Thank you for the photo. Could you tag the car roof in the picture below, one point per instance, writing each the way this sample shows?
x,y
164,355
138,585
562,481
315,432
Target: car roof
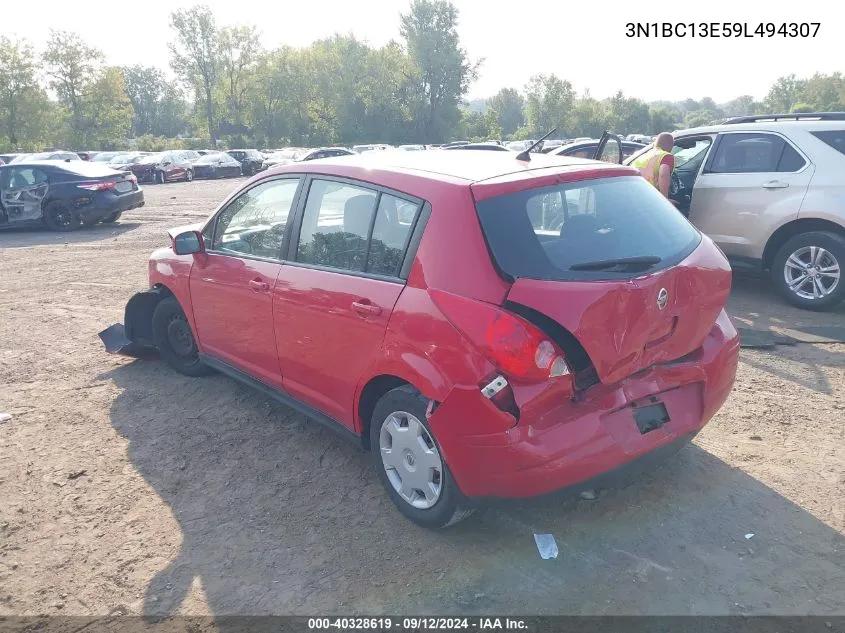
x,y
480,165
79,167
763,126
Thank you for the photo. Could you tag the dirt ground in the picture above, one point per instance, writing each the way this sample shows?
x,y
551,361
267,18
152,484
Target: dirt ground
x,y
127,489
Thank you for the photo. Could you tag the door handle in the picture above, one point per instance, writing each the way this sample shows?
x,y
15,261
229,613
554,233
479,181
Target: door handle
x,y
258,285
366,309
775,184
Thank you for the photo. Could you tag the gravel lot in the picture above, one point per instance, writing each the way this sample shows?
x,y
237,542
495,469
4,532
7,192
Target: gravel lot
x,y
127,488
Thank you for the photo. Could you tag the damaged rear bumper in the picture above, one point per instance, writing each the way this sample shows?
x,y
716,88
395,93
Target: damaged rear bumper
x,y
134,337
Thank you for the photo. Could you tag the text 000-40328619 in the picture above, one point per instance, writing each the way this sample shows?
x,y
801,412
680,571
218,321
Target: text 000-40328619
x,y
722,29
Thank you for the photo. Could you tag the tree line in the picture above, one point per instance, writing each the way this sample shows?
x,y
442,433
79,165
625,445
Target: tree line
x,y
228,90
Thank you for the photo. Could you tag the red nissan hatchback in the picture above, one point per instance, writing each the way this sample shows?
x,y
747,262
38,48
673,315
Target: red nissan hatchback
x,y
486,326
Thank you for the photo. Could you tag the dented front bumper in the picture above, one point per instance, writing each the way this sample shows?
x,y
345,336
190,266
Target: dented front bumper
x,y
134,337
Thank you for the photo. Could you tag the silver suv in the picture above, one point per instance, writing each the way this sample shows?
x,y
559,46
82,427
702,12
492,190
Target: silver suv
x,y
770,191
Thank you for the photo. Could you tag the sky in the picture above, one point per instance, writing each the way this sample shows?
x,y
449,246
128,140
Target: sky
x,y
584,42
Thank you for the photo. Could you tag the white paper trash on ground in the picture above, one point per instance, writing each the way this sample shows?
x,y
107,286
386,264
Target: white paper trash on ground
x,y
5,417
546,545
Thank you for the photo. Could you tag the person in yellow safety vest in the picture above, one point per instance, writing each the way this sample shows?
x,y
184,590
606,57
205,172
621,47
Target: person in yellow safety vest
x,y
656,164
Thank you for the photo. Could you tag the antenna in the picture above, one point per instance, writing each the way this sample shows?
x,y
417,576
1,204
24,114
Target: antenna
x,y
526,154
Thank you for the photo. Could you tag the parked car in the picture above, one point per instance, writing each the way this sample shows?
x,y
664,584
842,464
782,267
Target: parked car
x,y
768,190
283,157
65,195
105,157
87,155
412,148
58,155
586,149
518,146
325,152
122,160
249,159
8,158
165,167
479,146
217,165
419,304
453,144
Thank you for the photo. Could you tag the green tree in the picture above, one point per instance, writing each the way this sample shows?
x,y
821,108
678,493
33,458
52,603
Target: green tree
x,y
785,93
195,57
23,104
741,106
109,112
240,51
444,71
825,93
73,68
588,118
144,86
509,108
548,102
664,120
626,115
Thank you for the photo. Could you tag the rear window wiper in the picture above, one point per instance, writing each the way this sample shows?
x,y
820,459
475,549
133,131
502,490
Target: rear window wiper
x,y
628,263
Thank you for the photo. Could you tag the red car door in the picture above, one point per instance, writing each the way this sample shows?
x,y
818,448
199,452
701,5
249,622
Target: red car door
x,y
332,304
231,284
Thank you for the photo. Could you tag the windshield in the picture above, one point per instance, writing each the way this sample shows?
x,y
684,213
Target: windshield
x,y
214,158
104,157
554,232
122,159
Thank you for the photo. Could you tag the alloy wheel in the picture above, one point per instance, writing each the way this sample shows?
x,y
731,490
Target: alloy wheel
x,y
411,460
811,272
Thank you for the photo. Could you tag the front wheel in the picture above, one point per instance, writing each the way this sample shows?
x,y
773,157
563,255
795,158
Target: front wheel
x,y
58,216
409,463
114,217
175,342
189,176
807,270
159,177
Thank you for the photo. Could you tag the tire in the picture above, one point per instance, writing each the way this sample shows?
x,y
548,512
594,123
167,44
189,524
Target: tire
x,y
57,216
114,217
822,288
159,178
175,342
403,409
189,175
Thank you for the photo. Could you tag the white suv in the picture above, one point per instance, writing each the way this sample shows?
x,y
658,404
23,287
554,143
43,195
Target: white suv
x,y
770,191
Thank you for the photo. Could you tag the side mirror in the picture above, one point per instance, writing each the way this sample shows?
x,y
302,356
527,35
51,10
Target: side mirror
x,y
188,243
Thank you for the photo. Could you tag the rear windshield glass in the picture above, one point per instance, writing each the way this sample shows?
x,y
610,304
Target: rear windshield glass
x,y
569,231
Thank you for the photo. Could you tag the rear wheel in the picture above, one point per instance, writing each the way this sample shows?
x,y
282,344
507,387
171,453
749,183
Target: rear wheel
x,y
58,216
114,217
409,463
175,342
189,175
159,177
807,270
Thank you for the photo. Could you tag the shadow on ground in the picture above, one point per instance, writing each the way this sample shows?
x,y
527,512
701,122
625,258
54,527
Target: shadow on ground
x,y
281,517
36,236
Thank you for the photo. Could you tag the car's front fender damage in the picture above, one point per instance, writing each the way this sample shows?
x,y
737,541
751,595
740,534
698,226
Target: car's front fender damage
x,y
134,337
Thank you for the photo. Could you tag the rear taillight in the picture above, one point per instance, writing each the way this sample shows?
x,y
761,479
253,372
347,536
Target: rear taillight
x,y
102,185
132,178
517,348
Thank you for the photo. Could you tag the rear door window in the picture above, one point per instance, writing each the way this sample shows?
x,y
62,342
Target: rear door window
x,y
354,228
574,230
754,152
